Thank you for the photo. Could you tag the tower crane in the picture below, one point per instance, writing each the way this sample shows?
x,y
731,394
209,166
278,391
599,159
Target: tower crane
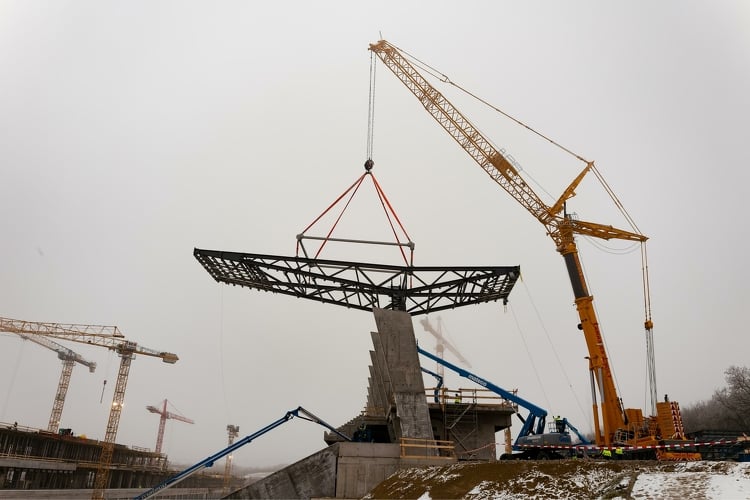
x,y
441,343
617,425
69,358
165,415
111,338
232,432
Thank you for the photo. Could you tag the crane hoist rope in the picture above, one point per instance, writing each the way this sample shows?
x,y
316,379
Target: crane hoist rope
x,y
371,108
388,209
549,341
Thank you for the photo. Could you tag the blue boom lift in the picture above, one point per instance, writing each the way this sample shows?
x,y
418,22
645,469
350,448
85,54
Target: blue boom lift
x,y
209,462
532,441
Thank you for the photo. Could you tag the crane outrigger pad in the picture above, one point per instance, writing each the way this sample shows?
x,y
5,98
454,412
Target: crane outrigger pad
x,y
416,290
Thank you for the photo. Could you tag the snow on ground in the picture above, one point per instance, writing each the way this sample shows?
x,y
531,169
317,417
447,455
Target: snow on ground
x,y
699,480
573,480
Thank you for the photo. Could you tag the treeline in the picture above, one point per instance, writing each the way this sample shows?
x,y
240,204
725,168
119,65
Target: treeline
x,y
727,410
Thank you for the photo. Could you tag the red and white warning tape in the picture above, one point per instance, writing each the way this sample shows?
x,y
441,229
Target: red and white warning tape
x,y
631,448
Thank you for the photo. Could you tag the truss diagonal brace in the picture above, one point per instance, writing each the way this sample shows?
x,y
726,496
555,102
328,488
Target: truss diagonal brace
x,y
416,290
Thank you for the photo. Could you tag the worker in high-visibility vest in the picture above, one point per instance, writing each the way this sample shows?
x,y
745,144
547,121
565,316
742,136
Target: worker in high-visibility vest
x,y
607,453
619,452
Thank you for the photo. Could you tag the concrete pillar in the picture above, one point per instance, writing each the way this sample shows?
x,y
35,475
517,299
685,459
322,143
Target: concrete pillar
x,y
399,348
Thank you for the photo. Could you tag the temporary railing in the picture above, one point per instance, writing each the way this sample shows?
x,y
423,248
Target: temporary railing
x,y
427,448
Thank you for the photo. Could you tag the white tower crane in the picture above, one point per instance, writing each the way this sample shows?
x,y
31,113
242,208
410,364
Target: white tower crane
x,y
441,343
69,359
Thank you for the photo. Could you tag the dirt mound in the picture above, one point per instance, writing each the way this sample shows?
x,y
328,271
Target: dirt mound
x,y
541,479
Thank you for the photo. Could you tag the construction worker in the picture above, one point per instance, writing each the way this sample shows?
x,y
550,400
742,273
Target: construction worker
x,y
619,452
607,453
363,434
457,400
559,424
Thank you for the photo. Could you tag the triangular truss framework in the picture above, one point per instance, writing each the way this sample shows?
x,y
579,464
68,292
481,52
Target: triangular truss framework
x,y
416,290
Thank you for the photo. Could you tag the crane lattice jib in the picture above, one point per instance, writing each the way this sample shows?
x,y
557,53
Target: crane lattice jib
x,y
43,328
492,161
63,352
461,129
104,336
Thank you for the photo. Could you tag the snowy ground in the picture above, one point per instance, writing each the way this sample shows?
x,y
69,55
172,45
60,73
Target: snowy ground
x,y
709,480
572,479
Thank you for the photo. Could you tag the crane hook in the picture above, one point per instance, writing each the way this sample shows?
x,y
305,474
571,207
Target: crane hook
x,y
369,164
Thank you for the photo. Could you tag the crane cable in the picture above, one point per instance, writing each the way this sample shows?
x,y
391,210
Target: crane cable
x,y
528,354
554,351
610,192
371,107
351,191
644,261
445,79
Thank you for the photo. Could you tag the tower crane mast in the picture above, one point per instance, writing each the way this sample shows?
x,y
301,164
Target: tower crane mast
x,y
111,338
559,225
441,343
69,358
232,432
165,415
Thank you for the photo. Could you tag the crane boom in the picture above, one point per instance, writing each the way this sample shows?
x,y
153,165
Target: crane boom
x,y
62,352
104,336
560,227
111,338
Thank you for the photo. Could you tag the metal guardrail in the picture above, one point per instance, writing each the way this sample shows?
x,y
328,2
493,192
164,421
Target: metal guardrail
x,y
484,397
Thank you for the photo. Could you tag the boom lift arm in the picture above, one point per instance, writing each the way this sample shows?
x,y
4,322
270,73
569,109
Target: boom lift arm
x,y
561,227
209,461
536,415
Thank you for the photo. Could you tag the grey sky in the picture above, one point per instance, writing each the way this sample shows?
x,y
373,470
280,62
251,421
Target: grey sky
x,y
133,132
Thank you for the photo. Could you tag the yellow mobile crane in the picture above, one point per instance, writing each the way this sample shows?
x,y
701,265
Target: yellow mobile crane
x,y
69,359
617,426
103,336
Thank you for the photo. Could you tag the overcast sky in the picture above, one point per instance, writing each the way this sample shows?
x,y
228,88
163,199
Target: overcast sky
x,y
133,132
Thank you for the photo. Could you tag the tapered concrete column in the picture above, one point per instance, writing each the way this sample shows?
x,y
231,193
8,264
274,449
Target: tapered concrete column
x,y
399,347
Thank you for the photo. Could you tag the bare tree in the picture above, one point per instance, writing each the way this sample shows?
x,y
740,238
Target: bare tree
x,y
728,408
